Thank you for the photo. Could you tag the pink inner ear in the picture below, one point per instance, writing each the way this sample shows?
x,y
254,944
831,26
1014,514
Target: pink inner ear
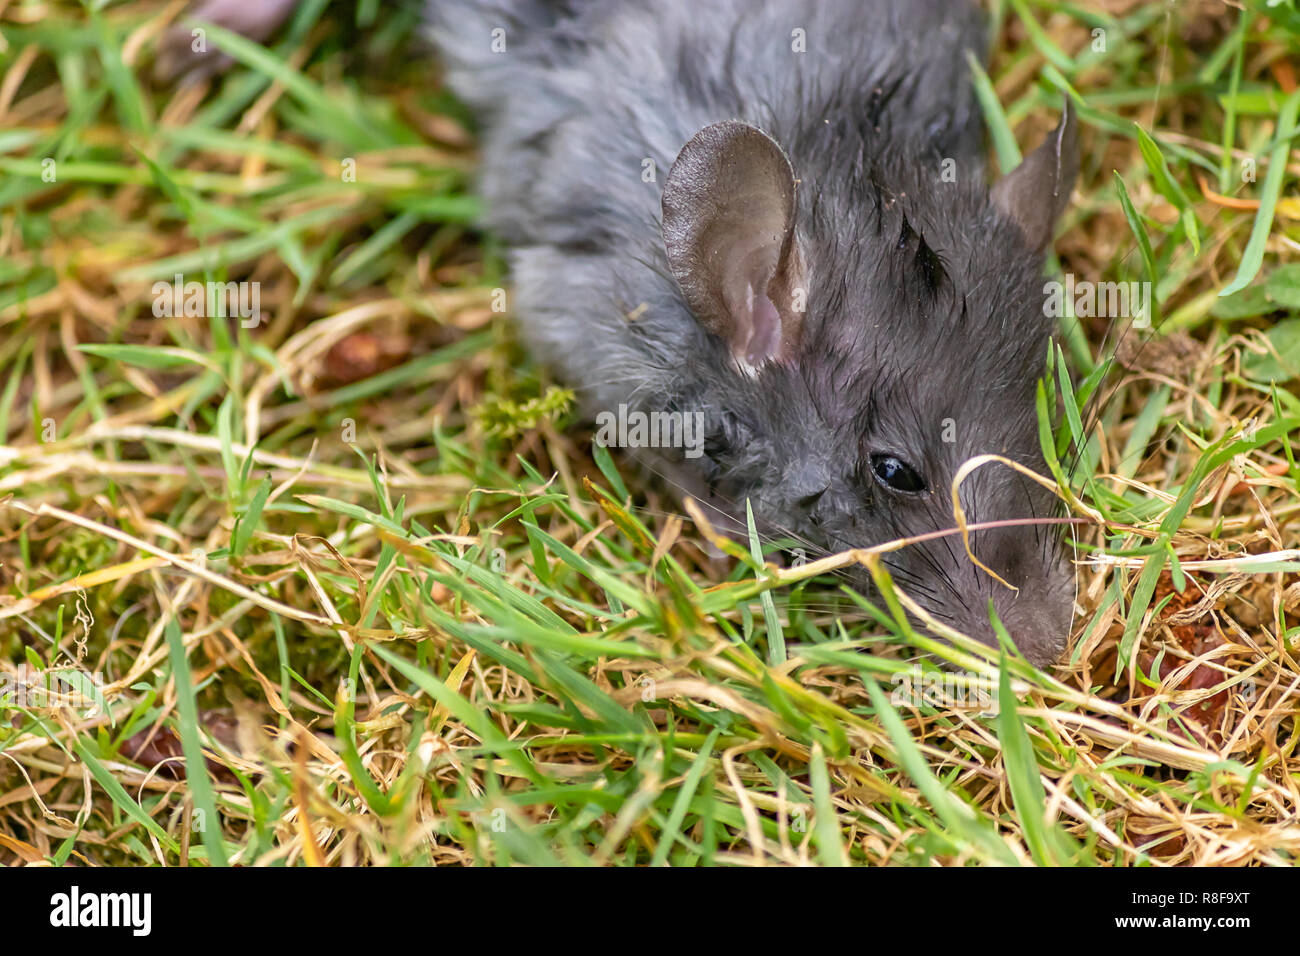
x,y
765,328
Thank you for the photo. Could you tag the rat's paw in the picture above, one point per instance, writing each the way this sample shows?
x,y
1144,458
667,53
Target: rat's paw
x,y
185,50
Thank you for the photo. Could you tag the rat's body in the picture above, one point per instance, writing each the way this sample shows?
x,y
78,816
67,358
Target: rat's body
x,y
853,324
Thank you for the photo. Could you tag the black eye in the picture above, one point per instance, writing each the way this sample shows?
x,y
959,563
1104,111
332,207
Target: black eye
x,y
895,473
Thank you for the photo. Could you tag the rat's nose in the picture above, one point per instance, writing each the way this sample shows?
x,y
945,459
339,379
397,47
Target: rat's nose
x,y
1037,617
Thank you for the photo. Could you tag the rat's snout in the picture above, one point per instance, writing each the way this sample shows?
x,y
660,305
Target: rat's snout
x,y
1038,608
1037,614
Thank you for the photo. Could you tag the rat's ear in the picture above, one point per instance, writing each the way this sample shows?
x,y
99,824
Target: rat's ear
x,y
728,226
1036,192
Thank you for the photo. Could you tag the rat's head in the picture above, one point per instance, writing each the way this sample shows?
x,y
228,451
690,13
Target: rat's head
x,y
868,338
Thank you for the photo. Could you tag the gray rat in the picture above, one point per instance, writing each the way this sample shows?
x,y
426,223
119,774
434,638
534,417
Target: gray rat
x,y
852,326
774,213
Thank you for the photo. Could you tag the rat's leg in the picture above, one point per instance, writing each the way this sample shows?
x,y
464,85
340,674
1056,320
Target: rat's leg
x,y
182,52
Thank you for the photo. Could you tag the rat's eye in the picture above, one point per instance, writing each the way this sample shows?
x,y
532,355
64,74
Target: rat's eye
x,y
896,474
